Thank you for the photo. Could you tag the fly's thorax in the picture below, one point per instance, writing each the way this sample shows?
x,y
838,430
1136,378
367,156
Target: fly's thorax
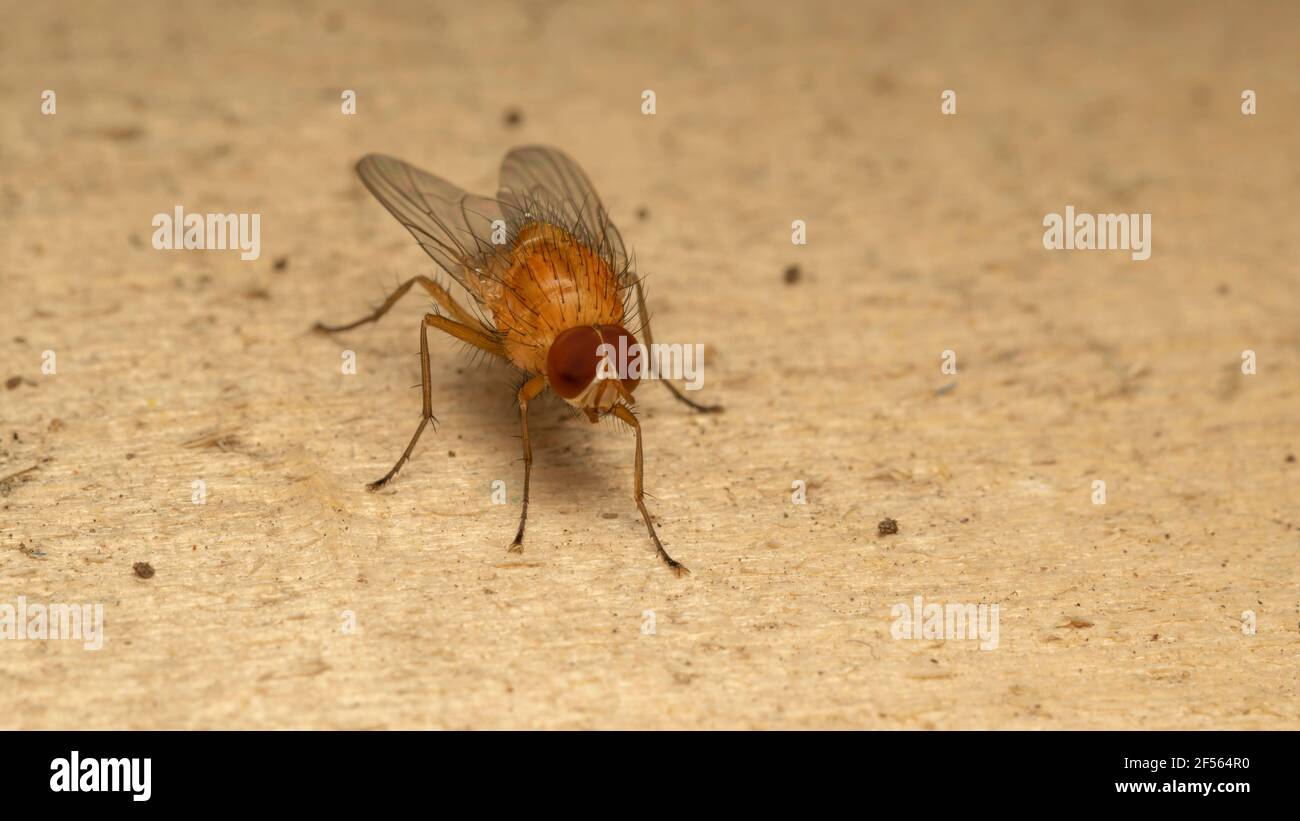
x,y
554,283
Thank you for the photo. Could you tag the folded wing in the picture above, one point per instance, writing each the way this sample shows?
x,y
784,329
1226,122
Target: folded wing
x,y
452,226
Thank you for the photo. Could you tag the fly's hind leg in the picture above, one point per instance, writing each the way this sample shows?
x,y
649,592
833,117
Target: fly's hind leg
x,y
530,390
679,569
439,294
477,338
649,341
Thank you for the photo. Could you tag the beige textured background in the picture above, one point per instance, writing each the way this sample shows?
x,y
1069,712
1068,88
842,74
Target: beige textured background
x,y
924,235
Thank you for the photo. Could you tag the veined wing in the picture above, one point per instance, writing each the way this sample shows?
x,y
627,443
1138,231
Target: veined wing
x,y
451,225
545,178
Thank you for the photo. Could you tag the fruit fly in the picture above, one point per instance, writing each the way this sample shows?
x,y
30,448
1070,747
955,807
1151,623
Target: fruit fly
x,y
551,282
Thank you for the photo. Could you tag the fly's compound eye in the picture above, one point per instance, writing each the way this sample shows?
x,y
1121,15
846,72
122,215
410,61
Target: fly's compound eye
x,y
625,347
571,362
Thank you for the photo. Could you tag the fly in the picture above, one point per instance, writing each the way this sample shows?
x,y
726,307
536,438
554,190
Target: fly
x,y
551,282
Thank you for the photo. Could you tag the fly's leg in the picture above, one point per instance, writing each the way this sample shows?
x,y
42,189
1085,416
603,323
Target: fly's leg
x,y
530,390
649,339
679,569
462,332
426,415
439,294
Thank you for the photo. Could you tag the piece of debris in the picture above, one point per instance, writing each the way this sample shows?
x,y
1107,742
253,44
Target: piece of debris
x,y
280,264
609,515
56,425
643,213
5,480
1290,457
792,274
143,569
943,389
1077,624
13,382
887,527
223,441
513,117
122,133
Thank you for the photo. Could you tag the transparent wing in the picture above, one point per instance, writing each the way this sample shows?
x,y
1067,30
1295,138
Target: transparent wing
x,y
539,176
453,226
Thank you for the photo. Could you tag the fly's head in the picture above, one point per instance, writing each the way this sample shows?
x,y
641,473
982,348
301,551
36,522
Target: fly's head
x,y
588,367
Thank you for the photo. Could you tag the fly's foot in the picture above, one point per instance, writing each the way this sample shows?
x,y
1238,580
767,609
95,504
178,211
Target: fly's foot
x,y
679,570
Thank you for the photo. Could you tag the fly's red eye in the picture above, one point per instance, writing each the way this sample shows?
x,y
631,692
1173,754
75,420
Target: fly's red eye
x,y
571,362
610,335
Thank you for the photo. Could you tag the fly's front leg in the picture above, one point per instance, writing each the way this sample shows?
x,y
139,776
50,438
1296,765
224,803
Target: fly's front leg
x,y
679,569
530,390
